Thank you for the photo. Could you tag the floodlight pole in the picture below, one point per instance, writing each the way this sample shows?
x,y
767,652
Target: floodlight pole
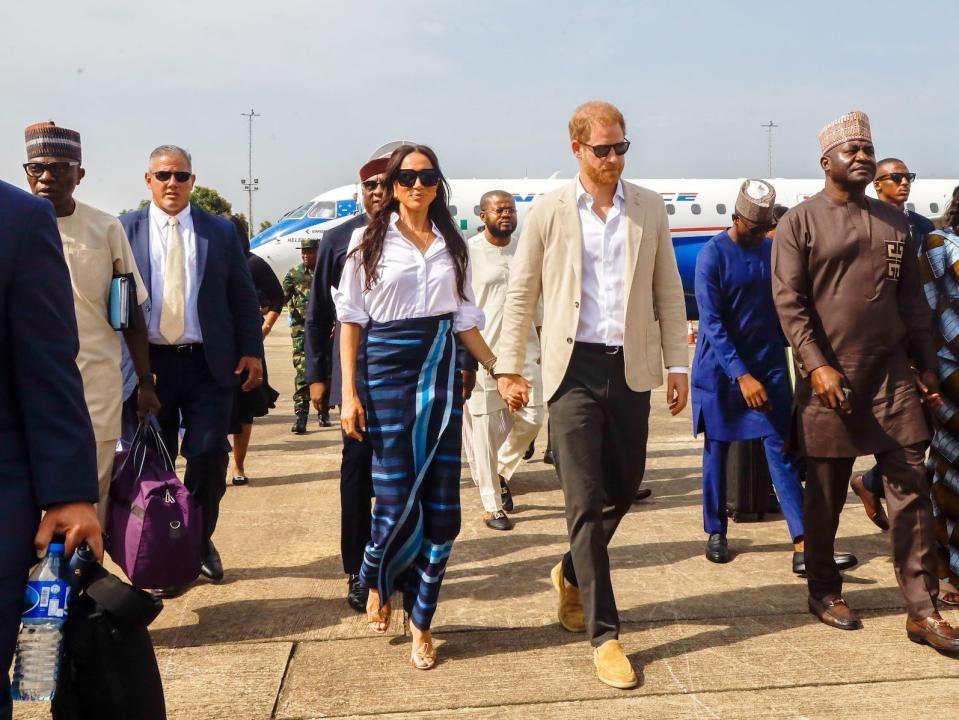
x,y
769,133
250,183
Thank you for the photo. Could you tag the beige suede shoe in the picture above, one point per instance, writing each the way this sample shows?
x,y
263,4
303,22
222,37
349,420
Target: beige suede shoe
x,y
570,611
613,667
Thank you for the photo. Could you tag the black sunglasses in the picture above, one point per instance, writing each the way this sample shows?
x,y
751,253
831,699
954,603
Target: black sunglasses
x,y
898,177
371,185
429,177
181,176
602,151
59,169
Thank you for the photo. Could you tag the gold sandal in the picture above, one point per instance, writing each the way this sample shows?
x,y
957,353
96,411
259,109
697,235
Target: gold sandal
x,y
379,620
424,657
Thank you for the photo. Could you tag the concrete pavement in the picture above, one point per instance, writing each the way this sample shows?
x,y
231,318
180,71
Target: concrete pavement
x,y
277,640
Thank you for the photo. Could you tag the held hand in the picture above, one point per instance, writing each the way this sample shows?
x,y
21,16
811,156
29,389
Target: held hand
x,y
77,521
469,382
514,389
254,370
753,391
353,417
677,392
317,395
147,401
928,384
827,384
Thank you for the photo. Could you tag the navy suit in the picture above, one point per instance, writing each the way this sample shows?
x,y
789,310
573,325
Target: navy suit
x,y
196,383
47,447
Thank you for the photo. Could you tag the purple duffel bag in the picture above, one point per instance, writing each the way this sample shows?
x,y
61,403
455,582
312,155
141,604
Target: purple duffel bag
x,y
154,526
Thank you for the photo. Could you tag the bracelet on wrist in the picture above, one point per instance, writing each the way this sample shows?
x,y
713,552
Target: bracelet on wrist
x,y
490,365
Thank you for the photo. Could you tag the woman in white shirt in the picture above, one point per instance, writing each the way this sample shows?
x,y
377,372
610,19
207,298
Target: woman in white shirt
x,y
407,281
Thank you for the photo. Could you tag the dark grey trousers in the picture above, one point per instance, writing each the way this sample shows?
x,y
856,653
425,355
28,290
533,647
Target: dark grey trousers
x,y
598,430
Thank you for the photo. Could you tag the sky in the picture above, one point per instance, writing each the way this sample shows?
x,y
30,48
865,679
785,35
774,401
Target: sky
x,y
490,85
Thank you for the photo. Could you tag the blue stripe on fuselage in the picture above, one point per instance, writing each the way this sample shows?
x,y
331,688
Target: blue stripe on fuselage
x,y
285,227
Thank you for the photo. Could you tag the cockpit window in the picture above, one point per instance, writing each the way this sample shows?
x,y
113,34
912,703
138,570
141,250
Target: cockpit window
x,y
324,209
299,212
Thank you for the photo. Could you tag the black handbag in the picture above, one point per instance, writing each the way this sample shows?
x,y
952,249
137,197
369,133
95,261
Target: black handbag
x,y
109,670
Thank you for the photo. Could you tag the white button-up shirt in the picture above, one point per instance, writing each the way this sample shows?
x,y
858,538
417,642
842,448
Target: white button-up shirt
x,y
158,234
411,284
602,312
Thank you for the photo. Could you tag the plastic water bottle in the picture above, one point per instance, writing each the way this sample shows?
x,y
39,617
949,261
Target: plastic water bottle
x,y
41,635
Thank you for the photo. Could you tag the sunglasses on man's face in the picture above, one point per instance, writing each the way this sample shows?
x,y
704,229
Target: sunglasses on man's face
x,y
602,151
371,185
898,177
181,176
429,177
58,169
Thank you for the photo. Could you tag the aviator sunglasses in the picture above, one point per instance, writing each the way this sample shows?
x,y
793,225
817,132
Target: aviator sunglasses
x,y
181,176
602,151
898,177
429,177
371,185
58,169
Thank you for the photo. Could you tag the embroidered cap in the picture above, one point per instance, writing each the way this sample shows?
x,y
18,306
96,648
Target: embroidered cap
x,y
755,202
851,126
47,140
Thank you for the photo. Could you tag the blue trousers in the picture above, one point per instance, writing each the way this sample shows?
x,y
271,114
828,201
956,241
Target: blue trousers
x,y
782,471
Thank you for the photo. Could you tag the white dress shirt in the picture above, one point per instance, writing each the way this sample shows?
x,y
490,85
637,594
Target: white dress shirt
x,y
158,236
411,284
602,313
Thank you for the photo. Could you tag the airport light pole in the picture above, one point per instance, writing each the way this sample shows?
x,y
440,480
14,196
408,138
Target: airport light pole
x,y
250,183
769,142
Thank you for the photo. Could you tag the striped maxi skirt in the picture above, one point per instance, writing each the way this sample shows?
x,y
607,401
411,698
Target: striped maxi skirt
x,y
414,407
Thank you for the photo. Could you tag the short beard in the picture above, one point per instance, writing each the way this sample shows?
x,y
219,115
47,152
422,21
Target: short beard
x,y
500,234
602,177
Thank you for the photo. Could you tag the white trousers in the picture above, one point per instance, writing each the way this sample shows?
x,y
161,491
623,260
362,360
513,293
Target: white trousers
x,y
106,452
495,447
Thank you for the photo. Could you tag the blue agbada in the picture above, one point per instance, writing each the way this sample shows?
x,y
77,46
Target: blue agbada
x,y
739,333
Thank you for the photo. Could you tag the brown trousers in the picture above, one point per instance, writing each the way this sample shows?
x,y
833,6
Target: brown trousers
x,y
910,523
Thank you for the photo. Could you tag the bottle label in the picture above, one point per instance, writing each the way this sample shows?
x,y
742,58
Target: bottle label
x,y
45,600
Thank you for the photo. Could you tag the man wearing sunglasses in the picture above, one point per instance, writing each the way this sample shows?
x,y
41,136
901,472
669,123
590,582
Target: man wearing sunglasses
x,y
323,375
96,249
203,320
599,253
893,184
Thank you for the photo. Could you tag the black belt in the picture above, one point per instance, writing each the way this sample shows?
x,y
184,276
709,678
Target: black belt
x,y
180,349
599,347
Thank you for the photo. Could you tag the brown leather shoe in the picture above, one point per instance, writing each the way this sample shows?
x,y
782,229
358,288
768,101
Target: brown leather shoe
x,y
570,611
613,667
870,503
935,632
834,611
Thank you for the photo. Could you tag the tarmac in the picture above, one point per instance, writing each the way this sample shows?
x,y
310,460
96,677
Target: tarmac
x,y
276,639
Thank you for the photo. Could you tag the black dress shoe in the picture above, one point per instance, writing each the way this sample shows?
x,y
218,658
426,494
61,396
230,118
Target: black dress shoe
x,y
717,550
642,494
356,595
530,450
498,521
548,457
171,592
505,496
325,420
843,561
299,427
241,480
212,566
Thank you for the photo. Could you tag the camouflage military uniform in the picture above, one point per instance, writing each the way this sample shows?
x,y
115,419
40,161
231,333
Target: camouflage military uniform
x,y
296,287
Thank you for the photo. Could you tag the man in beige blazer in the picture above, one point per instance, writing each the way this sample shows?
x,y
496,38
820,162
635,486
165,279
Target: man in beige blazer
x,y
599,252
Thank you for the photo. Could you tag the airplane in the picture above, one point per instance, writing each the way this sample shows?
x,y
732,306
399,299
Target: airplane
x,y
697,210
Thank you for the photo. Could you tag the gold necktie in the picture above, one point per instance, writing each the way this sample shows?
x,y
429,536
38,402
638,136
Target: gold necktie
x,y
173,312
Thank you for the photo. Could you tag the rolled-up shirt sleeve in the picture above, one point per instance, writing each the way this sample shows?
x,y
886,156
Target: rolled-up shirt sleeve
x,y
349,298
468,315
